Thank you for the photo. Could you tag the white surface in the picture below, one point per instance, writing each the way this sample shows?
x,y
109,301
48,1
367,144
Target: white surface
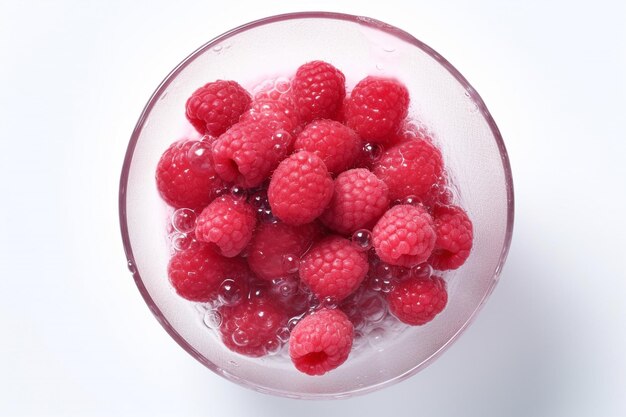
x,y
78,339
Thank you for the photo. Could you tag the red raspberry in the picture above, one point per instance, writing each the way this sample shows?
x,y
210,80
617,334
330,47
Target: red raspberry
x,y
250,327
248,152
318,90
185,175
321,342
215,107
417,301
274,114
228,223
376,108
410,168
360,198
196,273
404,235
300,189
276,248
336,144
334,267
454,238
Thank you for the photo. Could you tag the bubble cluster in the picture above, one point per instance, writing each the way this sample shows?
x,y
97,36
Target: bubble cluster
x,y
272,89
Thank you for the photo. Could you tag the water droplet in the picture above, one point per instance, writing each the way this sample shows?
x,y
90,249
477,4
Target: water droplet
x,y
217,48
380,67
131,267
411,200
363,239
238,193
184,220
233,363
389,49
199,155
180,241
231,292
259,200
212,319
240,338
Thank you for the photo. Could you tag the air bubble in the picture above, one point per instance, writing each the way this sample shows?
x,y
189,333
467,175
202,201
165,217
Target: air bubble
x,y
293,321
411,200
328,302
363,239
387,285
422,270
199,157
373,308
258,200
272,346
286,287
373,151
282,85
238,193
290,263
184,220
231,292
376,284
213,319
283,334
240,338
376,338
180,241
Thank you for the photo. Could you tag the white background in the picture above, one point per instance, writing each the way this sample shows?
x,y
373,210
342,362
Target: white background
x,y
78,339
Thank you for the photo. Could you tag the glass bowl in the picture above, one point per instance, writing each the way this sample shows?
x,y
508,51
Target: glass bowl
x,y
441,97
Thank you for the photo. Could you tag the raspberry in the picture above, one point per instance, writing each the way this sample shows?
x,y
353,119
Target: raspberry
x,y
186,176
215,107
404,235
321,341
337,145
318,90
276,248
196,273
334,267
248,152
410,168
250,328
274,114
300,188
454,238
376,108
360,198
228,223
417,301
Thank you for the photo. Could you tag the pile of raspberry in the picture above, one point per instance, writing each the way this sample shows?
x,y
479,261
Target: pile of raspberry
x,y
303,210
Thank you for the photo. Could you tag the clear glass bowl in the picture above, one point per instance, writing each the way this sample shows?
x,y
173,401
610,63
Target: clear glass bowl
x,y
469,138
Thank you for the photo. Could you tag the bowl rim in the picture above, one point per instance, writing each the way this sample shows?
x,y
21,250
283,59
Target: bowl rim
x,y
368,22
